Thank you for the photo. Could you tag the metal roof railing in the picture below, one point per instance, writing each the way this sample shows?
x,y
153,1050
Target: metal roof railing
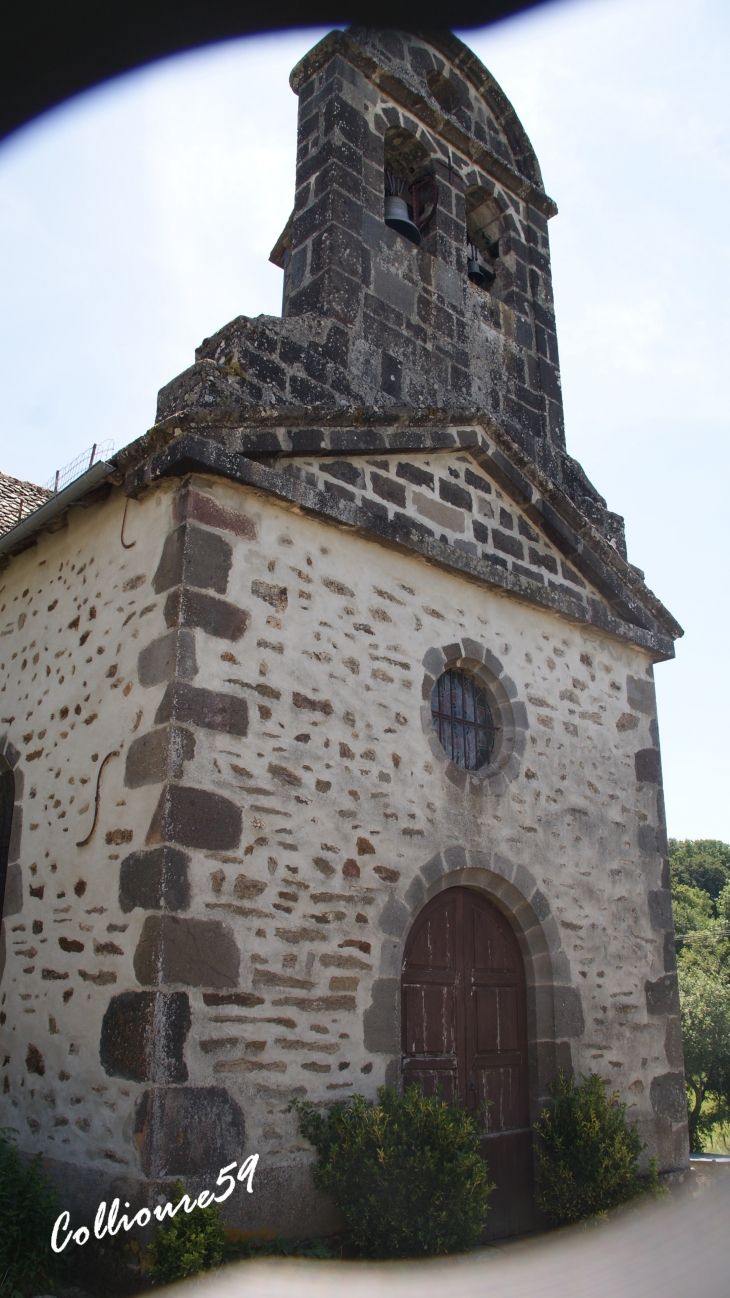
x,y
83,462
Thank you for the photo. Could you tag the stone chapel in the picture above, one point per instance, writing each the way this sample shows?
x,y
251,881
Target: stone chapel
x,y
329,740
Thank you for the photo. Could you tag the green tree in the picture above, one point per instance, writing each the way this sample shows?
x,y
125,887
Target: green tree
x,y
587,1155
704,995
700,863
406,1172
693,909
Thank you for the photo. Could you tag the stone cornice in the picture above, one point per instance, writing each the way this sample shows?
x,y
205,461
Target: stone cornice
x,y
266,433
190,453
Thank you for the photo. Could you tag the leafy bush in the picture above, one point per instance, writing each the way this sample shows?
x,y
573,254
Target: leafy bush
x,y
28,1210
405,1173
193,1242
587,1154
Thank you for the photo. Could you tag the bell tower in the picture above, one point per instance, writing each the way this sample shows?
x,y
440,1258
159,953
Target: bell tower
x,y
416,259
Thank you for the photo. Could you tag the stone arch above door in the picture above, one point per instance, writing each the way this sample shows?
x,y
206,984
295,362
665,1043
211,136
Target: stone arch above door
x,y
554,1008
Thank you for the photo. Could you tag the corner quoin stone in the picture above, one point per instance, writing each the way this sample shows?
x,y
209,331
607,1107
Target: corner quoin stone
x,y
194,952
194,557
187,1130
143,1036
662,996
155,880
668,1097
158,756
199,707
193,608
195,818
168,656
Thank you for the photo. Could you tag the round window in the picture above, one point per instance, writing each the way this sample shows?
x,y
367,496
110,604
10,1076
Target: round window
x,y
462,719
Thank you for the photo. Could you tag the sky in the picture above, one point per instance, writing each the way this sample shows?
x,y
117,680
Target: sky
x,y
138,218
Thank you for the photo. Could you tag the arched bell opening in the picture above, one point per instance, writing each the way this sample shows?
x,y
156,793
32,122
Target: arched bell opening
x,y
7,802
468,1026
411,192
484,219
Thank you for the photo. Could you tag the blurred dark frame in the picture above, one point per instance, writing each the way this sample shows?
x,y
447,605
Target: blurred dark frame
x,y
53,49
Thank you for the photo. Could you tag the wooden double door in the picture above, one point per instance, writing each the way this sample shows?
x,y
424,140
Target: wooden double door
x,y
464,1029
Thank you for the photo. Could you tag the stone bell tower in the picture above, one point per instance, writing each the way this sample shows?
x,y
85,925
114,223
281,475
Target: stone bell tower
x,y
466,319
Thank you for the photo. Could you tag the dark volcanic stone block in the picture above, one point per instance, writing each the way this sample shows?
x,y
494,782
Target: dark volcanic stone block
x,y
660,908
195,952
640,695
673,1046
185,607
188,1130
195,557
158,756
668,1097
646,838
540,560
143,1036
662,996
16,833
419,477
155,880
648,766
474,480
195,818
206,708
388,490
170,655
508,544
524,529
380,1020
12,903
569,1021
455,495
204,509
345,471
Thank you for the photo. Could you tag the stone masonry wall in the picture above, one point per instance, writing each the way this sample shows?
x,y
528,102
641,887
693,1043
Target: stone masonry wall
x,y
273,810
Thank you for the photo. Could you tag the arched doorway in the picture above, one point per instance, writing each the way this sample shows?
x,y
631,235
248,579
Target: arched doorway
x,y
7,801
464,1028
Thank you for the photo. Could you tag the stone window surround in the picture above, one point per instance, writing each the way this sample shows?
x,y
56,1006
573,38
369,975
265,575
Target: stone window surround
x,y
508,714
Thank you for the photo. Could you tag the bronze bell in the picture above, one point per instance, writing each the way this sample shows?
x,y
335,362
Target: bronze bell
x,y
479,274
396,216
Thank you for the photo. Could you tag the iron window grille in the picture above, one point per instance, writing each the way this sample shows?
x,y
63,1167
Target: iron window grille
x,y
463,721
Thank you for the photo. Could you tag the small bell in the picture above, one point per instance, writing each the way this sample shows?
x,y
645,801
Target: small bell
x,y
396,216
479,274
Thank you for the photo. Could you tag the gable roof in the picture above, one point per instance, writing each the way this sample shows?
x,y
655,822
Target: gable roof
x,y
271,450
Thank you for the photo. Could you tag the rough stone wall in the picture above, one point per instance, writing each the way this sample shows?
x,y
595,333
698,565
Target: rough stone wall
x,y
278,811
371,320
448,499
